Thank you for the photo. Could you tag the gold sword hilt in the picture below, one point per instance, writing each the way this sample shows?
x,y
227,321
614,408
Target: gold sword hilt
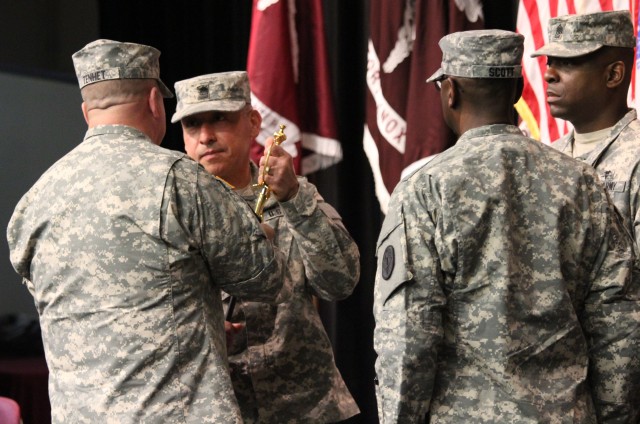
x,y
265,192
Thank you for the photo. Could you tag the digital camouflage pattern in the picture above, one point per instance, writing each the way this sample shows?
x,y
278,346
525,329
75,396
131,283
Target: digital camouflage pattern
x,y
577,35
103,60
125,247
504,291
287,373
487,53
617,161
223,91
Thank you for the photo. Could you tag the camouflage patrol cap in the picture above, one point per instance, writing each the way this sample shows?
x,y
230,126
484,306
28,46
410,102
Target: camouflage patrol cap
x,y
489,53
577,35
223,91
103,60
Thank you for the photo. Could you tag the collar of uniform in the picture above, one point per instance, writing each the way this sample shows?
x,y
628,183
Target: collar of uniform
x,y
487,130
249,193
631,115
114,129
254,172
596,153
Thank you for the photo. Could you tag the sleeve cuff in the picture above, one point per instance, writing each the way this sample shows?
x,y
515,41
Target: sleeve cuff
x,y
303,204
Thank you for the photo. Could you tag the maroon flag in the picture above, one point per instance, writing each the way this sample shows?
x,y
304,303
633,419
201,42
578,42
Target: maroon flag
x,y
290,84
404,124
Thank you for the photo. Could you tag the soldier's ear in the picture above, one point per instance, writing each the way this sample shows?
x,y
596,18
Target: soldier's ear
x,y
615,73
453,93
156,103
85,112
256,122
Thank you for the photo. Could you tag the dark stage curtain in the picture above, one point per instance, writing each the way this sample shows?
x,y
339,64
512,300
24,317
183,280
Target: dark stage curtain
x,y
204,36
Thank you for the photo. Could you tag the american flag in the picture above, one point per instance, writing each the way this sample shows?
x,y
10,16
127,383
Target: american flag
x,y
290,83
533,16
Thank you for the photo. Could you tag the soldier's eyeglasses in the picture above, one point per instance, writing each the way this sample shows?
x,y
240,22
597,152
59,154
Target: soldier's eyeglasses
x,y
439,81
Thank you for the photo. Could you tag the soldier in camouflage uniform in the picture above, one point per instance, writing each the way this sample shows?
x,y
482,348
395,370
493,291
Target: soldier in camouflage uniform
x,y
281,360
504,291
125,247
589,64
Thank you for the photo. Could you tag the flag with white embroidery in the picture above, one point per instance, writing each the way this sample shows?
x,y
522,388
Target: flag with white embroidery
x,y
533,18
404,123
290,83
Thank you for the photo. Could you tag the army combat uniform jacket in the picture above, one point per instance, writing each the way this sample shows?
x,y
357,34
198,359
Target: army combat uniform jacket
x,y
504,292
617,160
282,367
125,246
